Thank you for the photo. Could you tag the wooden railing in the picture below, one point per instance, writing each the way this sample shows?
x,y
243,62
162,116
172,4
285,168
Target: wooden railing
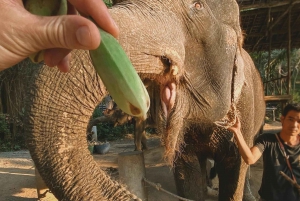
x,y
277,89
276,86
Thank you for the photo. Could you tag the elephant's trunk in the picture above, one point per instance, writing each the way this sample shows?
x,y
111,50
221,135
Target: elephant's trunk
x,y
60,106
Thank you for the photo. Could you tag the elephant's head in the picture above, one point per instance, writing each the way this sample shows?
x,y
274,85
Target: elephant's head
x,y
192,50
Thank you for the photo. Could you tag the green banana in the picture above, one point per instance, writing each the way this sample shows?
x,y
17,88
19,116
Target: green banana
x,y
119,76
109,60
45,8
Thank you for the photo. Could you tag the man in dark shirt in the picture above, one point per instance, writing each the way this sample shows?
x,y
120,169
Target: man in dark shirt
x,y
274,187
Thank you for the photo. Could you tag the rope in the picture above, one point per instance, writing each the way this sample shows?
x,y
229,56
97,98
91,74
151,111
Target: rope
x,y
159,188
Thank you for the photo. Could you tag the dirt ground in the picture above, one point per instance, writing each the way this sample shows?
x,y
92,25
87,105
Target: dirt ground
x,y
17,178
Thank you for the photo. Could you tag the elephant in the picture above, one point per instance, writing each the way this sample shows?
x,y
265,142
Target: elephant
x,y
191,51
117,117
113,114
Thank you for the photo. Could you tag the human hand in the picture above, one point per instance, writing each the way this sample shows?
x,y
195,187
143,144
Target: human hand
x,y
236,127
23,33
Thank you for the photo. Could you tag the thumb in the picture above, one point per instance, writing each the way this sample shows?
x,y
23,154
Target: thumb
x,y
68,32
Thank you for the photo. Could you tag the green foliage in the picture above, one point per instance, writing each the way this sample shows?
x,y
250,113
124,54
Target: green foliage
x,y
9,146
278,68
107,131
6,143
14,83
97,113
151,130
4,129
108,3
278,62
296,97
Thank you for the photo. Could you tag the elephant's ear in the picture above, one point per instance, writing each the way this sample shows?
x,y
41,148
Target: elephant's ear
x,y
238,77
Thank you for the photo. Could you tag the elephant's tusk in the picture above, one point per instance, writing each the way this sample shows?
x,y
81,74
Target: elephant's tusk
x,y
174,70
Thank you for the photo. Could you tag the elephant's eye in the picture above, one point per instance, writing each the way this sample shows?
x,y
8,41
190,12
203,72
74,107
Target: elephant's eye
x,y
198,5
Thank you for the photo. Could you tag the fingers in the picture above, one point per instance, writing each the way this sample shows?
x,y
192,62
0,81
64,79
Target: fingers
x,y
69,32
59,35
71,9
58,57
23,33
52,57
237,120
99,12
62,30
63,65
236,126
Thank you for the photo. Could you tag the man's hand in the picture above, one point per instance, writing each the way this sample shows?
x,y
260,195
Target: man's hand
x,y
250,155
236,128
23,33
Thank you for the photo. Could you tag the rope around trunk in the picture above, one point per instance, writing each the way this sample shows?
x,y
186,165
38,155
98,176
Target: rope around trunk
x,y
159,188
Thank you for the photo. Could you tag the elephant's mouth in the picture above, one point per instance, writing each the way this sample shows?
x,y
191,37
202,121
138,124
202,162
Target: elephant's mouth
x,y
167,73
168,79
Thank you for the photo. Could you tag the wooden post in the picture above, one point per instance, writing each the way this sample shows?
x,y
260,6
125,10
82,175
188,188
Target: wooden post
x,y
269,54
131,172
43,191
289,54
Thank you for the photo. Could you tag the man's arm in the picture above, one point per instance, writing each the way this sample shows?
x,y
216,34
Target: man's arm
x,y
250,155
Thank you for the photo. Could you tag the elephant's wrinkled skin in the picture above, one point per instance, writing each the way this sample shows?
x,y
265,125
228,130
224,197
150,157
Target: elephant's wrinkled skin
x,y
192,51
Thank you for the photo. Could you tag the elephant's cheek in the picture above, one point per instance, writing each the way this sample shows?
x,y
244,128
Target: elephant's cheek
x,y
168,96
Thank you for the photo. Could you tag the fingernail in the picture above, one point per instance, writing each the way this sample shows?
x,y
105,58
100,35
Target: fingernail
x,y
83,36
117,28
63,65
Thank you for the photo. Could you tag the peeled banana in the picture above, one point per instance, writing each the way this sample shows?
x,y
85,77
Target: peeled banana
x,y
109,60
